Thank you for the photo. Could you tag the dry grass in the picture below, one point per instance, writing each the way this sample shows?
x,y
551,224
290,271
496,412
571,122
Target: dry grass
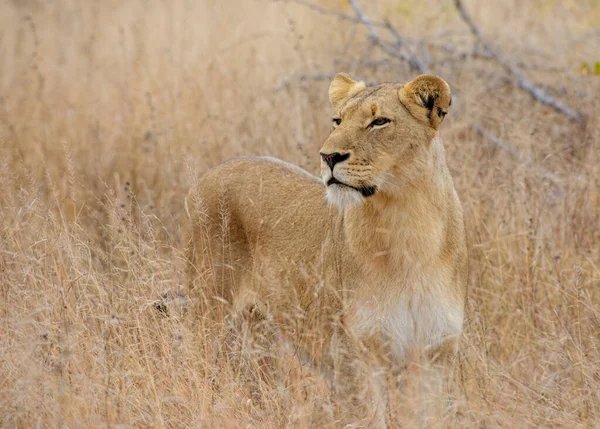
x,y
109,111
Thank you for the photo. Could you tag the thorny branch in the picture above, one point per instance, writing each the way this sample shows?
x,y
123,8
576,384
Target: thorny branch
x,y
535,91
414,61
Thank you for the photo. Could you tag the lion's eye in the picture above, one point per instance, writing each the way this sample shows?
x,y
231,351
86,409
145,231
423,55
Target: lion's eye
x,y
379,122
336,121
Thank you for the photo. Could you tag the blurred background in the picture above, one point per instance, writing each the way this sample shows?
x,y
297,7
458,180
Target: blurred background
x,y
110,110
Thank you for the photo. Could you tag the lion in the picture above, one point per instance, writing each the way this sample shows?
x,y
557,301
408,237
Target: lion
x,y
370,256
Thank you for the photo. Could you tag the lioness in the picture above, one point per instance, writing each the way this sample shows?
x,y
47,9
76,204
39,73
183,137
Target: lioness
x,y
372,255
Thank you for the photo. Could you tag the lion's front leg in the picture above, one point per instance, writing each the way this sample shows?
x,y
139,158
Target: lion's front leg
x,y
358,383
423,393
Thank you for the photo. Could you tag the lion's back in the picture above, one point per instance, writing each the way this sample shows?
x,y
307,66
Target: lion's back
x,y
267,206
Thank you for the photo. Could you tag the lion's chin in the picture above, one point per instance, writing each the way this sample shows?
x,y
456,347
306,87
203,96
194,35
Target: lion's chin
x,y
343,197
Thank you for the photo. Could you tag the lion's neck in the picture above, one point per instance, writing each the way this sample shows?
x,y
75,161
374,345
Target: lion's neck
x,y
398,229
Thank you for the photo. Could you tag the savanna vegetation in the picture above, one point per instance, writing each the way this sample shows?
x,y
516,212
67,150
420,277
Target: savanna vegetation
x,y
110,111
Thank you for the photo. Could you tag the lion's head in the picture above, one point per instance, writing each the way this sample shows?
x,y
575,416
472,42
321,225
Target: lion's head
x,y
381,135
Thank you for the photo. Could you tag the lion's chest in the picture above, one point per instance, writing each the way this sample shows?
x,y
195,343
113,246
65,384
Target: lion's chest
x,y
412,319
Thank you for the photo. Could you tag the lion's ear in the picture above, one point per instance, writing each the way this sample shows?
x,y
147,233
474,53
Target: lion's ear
x,y
427,98
343,88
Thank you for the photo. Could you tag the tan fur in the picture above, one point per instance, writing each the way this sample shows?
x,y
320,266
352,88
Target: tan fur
x,y
342,88
340,269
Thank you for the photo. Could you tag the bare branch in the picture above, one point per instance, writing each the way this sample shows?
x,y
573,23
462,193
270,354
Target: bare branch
x,y
535,91
412,60
493,139
399,39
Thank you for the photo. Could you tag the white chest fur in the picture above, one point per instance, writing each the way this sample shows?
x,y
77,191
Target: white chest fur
x,y
412,320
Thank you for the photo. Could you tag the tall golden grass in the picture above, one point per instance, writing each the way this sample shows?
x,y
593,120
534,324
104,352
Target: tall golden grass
x,y
110,110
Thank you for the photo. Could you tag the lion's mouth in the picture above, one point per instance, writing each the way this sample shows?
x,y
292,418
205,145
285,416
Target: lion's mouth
x,y
366,191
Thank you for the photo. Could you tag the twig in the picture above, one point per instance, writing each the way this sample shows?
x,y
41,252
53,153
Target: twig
x,y
516,154
535,91
394,32
412,60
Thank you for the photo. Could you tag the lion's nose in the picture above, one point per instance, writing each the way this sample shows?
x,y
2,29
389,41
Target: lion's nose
x,y
333,158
